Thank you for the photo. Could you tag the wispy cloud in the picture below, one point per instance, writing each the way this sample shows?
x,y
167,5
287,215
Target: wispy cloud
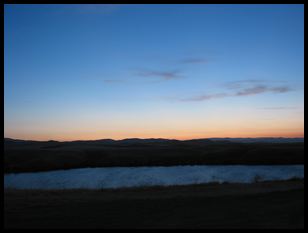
x,y
170,74
261,89
206,97
149,76
164,75
280,89
253,90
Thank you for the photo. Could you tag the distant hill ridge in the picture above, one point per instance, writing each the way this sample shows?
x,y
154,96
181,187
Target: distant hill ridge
x,y
140,140
32,156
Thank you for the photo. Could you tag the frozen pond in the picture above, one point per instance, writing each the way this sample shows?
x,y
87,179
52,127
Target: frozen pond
x,y
119,177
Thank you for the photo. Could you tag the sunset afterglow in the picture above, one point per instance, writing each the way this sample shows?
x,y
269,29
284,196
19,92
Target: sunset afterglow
x,y
79,72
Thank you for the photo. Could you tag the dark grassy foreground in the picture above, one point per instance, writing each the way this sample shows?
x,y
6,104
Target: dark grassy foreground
x,y
31,156
260,205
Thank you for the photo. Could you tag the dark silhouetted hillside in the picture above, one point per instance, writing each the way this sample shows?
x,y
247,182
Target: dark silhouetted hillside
x,y
27,156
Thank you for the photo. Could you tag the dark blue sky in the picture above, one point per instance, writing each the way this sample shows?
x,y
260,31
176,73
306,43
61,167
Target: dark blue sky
x,y
179,71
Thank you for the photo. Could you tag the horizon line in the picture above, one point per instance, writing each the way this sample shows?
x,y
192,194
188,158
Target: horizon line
x,y
99,139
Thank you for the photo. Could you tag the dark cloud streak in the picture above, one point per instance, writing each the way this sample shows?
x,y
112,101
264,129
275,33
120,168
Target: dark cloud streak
x,y
165,75
254,90
207,97
262,89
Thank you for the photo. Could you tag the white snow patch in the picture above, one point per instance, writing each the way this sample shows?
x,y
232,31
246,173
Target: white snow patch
x,y
120,177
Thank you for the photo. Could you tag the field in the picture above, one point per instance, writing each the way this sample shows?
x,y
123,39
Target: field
x,y
31,156
260,205
272,204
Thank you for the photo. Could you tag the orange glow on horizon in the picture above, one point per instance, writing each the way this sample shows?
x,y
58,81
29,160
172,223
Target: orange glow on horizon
x,y
170,136
181,128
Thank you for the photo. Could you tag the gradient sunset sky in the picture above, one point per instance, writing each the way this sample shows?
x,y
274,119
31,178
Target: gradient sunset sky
x,y
75,72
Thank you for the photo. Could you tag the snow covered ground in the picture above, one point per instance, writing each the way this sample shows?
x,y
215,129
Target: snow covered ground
x,y
119,177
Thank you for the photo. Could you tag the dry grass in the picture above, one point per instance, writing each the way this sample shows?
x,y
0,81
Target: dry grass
x,y
262,205
38,158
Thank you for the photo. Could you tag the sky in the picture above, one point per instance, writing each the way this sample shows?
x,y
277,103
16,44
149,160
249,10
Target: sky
x,y
78,72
